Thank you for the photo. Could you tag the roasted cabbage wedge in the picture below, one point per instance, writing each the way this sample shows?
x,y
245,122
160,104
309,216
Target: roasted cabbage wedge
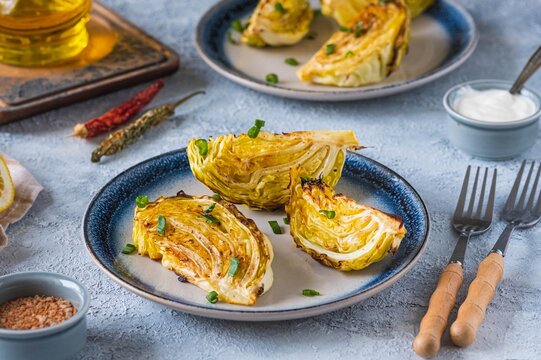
x,y
255,171
344,11
278,22
373,47
336,230
200,245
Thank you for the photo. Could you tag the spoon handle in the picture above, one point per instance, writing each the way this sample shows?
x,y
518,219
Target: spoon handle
x,y
531,67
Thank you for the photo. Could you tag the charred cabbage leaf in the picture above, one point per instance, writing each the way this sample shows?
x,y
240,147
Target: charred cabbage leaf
x,y
336,230
255,171
200,239
367,51
278,22
344,11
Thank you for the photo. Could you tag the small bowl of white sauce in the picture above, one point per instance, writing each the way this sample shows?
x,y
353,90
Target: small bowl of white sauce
x,y
485,120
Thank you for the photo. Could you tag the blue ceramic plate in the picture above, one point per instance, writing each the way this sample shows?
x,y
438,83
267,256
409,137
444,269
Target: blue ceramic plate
x,y
441,40
108,221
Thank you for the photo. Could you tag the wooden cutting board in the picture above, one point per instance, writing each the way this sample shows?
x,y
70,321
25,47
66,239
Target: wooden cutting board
x,y
118,55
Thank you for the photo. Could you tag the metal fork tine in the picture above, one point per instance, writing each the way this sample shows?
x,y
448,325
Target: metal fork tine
x,y
462,199
491,196
534,189
525,188
510,203
482,195
473,193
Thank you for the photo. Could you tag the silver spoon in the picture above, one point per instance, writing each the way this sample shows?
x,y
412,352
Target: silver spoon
x,y
529,69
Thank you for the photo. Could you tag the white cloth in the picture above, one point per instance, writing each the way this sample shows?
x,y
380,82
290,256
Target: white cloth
x,y
27,189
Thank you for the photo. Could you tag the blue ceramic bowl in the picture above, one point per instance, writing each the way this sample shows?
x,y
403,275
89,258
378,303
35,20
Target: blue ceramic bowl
x,y
62,341
495,141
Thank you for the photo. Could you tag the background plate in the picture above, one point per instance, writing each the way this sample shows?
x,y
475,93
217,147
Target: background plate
x,y
107,227
442,39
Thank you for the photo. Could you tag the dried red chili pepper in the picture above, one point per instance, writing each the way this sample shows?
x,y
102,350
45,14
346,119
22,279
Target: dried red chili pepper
x,y
119,114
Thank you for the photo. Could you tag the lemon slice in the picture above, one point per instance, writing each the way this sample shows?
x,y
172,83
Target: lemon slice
x,y
7,190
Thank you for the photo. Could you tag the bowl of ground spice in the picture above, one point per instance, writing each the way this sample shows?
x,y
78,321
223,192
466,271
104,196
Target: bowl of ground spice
x,y
42,316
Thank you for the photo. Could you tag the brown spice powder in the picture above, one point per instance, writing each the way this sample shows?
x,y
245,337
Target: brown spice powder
x,y
35,312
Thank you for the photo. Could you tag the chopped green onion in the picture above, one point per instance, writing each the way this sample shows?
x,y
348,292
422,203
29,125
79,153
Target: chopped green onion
x,y
311,35
212,297
259,123
272,78
329,49
254,130
161,225
384,1
216,197
358,29
233,266
203,146
330,214
275,227
344,29
210,208
310,292
237,25
210,219
349,54
305,178
317,12
141,201
286,221
291,61
129,249
245,26
279,7
230,38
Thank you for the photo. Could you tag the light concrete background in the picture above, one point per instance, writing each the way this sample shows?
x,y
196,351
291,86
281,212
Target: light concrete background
x,y
406,132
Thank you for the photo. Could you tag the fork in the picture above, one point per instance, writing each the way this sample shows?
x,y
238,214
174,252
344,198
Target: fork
x,y
518,215
467,223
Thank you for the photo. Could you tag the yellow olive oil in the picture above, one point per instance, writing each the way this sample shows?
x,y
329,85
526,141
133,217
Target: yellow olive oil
x,y
42,32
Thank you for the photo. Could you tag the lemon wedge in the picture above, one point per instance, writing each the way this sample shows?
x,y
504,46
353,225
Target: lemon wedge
x,y
7,190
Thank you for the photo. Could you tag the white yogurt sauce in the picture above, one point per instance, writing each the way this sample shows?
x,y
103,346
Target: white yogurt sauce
x,y
493,105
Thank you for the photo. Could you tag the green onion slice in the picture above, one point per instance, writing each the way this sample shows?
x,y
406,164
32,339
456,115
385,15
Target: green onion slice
x,y
129,249
330,214
237,25
272,78
310,292
212,297
275,227
286,221
217,197
141,201
358,29
210,208
280,8
203,146
210,219
254,130
329,49
161,225
233,266
344,29
291,61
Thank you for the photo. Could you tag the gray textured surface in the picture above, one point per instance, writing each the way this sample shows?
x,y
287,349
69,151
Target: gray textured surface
x,y
407,134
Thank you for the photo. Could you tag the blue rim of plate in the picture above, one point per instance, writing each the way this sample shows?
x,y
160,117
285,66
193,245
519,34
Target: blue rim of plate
x,y
214,24
142,175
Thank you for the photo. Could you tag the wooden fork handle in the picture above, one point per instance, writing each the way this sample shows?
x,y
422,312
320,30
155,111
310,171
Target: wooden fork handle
x,y
442,301
480,293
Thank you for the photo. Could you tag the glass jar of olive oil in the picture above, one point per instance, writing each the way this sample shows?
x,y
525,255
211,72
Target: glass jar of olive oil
x,y
42,32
